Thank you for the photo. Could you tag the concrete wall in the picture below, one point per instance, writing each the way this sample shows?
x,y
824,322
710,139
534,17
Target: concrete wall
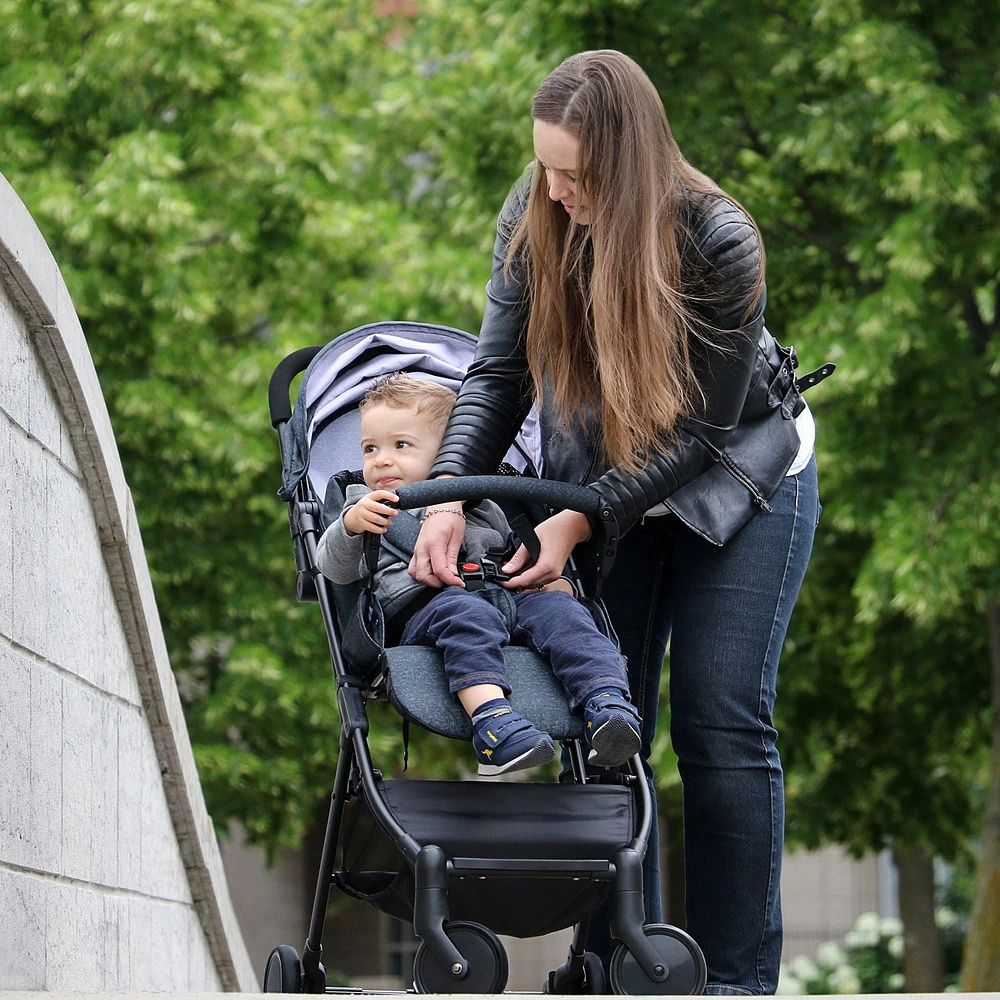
x,y
110,876
272,903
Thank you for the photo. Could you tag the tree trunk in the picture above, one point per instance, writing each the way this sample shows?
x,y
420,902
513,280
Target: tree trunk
x,y
671,816
923,961
981,961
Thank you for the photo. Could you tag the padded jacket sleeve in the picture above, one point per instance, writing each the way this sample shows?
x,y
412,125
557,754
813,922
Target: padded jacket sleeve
x,y
722,263
340,555
496,393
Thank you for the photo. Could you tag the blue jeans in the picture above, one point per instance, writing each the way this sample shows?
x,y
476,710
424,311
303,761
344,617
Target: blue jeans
x,y
470,632
725,611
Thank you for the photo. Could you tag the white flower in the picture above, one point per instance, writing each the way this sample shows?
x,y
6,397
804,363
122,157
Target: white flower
x,y
861,938
803,968
865,933
788,985
897,981
890,927
844,979
829,955
897,946
945,917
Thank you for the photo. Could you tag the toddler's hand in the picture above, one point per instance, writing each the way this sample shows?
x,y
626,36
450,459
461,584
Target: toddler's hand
x,y
371,513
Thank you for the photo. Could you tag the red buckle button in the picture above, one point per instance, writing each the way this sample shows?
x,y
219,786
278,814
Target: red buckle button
x,y
470,567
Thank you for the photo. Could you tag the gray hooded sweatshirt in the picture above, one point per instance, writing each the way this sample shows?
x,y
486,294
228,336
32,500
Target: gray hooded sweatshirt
x,y
340,555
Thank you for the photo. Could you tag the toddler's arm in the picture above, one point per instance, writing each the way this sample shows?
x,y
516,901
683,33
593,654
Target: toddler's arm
x,y
340,550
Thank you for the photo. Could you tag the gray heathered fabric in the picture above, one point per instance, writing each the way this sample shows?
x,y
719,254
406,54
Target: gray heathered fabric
x,y
340,555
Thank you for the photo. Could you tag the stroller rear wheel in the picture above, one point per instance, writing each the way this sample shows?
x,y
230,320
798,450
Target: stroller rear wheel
x,y
594,979
283,973
681,955
480,947
590,978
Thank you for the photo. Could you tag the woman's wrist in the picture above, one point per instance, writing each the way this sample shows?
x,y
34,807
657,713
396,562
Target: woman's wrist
x,y
448,505
580,524
443,510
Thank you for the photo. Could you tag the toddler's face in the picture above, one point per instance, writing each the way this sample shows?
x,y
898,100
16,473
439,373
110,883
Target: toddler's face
x,y
399,446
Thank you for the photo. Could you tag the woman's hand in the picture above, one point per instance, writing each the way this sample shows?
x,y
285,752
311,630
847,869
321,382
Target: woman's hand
x,y
435,555
558,536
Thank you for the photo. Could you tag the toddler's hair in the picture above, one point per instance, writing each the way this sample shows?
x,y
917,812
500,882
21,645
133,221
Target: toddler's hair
x,y
402,392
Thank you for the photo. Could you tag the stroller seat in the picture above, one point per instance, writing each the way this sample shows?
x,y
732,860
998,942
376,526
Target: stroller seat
x,y
413,677
418,687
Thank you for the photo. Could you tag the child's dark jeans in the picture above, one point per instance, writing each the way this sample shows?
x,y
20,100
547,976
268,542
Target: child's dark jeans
x,y
470,632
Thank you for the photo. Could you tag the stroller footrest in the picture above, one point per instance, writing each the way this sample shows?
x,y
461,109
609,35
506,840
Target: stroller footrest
x,y
528,867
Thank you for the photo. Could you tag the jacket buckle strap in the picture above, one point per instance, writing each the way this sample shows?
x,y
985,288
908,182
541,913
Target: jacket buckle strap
x,y
815,377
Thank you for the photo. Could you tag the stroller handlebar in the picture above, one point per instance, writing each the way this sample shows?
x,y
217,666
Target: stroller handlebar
x,y
278,388
562,495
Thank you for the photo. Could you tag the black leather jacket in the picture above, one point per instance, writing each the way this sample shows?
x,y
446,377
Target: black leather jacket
x,y
724,464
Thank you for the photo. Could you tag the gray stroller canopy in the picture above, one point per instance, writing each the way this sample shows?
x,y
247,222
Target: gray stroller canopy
x,y
323,435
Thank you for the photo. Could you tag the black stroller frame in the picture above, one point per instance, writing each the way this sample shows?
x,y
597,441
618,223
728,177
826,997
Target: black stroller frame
x,y
465,956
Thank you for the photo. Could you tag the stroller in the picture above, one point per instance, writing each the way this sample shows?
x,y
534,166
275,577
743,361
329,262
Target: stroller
x,y
458,858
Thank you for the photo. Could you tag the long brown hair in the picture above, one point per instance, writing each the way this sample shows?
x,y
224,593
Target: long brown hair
x,y
609,328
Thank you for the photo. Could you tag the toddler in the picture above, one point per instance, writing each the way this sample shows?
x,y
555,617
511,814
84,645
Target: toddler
x,y
402,421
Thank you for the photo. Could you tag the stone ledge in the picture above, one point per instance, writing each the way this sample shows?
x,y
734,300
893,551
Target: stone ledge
x,y
32,277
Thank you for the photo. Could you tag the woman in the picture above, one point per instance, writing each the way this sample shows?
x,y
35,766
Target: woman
x,y
627,297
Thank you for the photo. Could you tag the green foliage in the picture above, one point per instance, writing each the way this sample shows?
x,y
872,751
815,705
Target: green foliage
x,y
864,136
870,960
223,182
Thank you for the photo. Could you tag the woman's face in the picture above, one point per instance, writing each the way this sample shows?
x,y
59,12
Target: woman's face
x,y
557,153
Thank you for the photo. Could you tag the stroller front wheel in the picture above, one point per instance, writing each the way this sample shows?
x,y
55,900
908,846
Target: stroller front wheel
x,y
479,946
680,953
283,973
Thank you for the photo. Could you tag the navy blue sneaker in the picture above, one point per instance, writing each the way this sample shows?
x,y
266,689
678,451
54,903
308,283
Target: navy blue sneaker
x,y
505,741
612,728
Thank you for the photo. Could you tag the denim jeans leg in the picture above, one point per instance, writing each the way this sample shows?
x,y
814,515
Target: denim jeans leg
x,y
470,633
732,607
583,659
634,595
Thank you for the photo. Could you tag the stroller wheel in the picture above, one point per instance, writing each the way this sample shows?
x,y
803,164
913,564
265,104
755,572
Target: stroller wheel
x,y
480,947
589,980
594,979
283,973
681,955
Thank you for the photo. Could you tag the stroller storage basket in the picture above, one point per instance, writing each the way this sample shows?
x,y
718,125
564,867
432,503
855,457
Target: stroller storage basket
x,y
576,830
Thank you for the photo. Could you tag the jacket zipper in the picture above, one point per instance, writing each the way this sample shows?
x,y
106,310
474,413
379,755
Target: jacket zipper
x,y
734,471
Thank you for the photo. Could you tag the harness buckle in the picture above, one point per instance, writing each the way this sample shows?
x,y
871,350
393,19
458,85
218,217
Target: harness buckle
x,y
477,576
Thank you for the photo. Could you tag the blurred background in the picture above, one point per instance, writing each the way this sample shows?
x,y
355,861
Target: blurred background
x,y
223,181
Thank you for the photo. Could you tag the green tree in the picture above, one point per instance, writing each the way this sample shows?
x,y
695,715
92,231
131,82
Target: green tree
x,y
222,183
864,138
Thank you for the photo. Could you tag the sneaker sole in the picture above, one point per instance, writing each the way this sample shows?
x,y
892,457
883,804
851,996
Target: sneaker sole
x,y
613,744
540,753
